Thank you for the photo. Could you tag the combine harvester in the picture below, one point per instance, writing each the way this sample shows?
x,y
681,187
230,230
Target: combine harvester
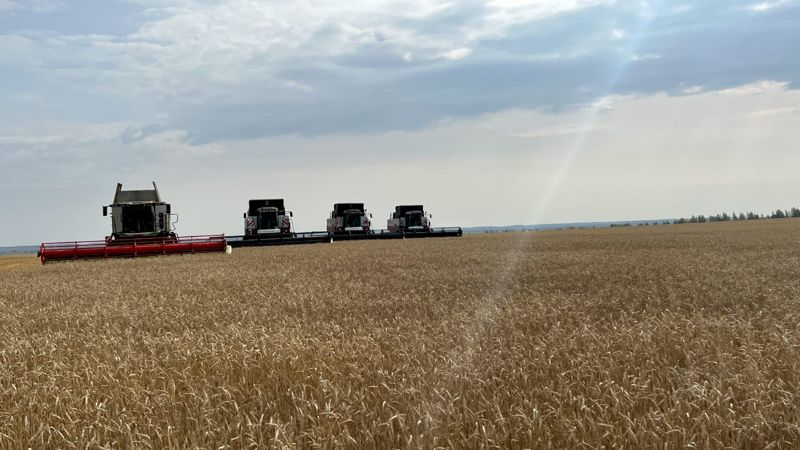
x,y
141,225
350,221
267,218
411,221
267,222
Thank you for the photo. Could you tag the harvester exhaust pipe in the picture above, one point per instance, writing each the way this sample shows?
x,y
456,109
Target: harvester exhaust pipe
x,y
158,195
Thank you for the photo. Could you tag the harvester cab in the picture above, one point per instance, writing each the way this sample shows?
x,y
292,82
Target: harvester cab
x,y
267,217
411,218
349,218
139,214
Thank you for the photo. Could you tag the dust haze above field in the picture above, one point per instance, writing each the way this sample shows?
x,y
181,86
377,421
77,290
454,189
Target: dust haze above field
x,y
490,113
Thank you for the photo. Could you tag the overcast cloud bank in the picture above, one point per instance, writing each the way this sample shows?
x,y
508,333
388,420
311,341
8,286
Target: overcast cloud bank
x,y
537,111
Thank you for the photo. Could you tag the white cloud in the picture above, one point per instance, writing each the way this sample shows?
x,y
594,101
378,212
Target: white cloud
x,y
766,6
510,12
755,88
303,87
194,58
777,112
175,144
456,54
19,51
680,9
190,49
39,6
691,90
646,57
60,133
242,29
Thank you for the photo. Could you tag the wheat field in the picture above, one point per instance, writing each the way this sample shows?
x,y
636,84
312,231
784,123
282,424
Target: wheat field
x,y
652,337
17,261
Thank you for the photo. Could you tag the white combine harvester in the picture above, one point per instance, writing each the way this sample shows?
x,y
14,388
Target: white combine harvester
x,y
409,218
266,218
349,218
267,222
412,221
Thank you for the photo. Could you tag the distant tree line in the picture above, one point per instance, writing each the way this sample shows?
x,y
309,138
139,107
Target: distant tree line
x,y
725,217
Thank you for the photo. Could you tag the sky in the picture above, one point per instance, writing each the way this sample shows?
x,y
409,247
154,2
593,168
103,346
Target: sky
x,y
491,112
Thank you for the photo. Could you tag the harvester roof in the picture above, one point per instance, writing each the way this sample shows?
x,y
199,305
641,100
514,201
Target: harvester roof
x,y
253,205
137,196
340,208
402,210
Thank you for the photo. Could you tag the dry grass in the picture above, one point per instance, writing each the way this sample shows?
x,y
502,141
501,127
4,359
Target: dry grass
x,y
669,337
